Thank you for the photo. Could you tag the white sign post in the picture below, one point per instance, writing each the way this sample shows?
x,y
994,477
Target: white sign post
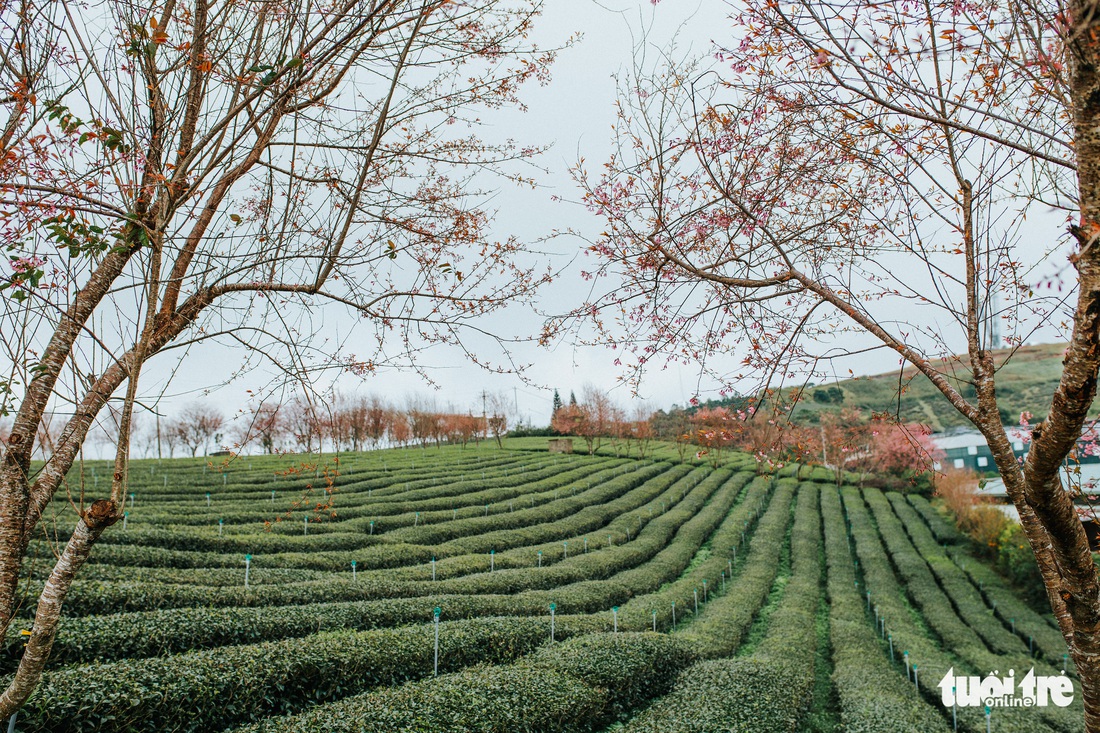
x,y
435,615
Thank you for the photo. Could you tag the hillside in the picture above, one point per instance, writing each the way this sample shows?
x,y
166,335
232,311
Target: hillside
x,y
1025,381
499,590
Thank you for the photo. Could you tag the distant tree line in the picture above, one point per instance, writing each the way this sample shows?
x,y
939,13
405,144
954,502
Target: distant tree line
x,y
339,423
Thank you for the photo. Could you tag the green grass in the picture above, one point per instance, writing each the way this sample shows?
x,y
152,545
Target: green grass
x,y
311,647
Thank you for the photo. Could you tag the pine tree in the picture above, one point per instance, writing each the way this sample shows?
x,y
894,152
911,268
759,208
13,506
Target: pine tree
x,y
556,404
572,399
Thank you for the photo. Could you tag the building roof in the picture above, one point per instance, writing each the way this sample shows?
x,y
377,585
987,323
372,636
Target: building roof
x,y
965,438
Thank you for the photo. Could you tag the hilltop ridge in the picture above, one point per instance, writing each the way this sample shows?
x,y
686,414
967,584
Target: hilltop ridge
x,y
1025,381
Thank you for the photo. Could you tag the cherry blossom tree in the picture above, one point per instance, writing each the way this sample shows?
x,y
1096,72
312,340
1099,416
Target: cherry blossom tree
x,y
267,425
197,425
903,450
177,172
496,417
842,176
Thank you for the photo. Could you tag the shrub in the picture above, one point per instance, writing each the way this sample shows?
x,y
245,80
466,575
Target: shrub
x,y
581,685
229,686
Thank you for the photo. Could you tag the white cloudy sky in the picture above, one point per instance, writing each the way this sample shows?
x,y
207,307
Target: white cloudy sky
x,y
575,113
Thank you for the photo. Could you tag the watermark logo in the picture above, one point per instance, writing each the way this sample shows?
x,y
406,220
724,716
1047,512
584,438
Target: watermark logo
x,y
996,691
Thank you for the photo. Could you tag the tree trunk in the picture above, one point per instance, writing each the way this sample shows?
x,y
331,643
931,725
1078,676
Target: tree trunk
x,y
97,518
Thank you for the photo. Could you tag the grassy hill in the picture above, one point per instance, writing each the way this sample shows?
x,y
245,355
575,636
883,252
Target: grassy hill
x,y
574,594
1026,379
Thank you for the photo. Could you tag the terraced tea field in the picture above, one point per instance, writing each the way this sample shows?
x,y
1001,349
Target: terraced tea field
x,y
574,593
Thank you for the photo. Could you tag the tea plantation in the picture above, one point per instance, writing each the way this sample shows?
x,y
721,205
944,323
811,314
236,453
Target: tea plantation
x,y
575,593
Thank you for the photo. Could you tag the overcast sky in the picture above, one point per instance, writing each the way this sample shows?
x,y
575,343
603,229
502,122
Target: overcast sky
x,y
574,113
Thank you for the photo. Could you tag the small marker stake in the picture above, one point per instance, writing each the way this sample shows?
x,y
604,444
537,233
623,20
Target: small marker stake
x,y
540,558
248,566
954,711
372,527
220,523
905,657
674,614
416,521
208,499
433,567
609,540
615,619
353,570
125,518
695,592
988,718
435,617
492,560
915,677
553,606
564,550
305,524
131,501
586,545
891,638
655,622
272,497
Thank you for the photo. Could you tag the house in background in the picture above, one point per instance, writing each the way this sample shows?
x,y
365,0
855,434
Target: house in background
x,y
965,448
